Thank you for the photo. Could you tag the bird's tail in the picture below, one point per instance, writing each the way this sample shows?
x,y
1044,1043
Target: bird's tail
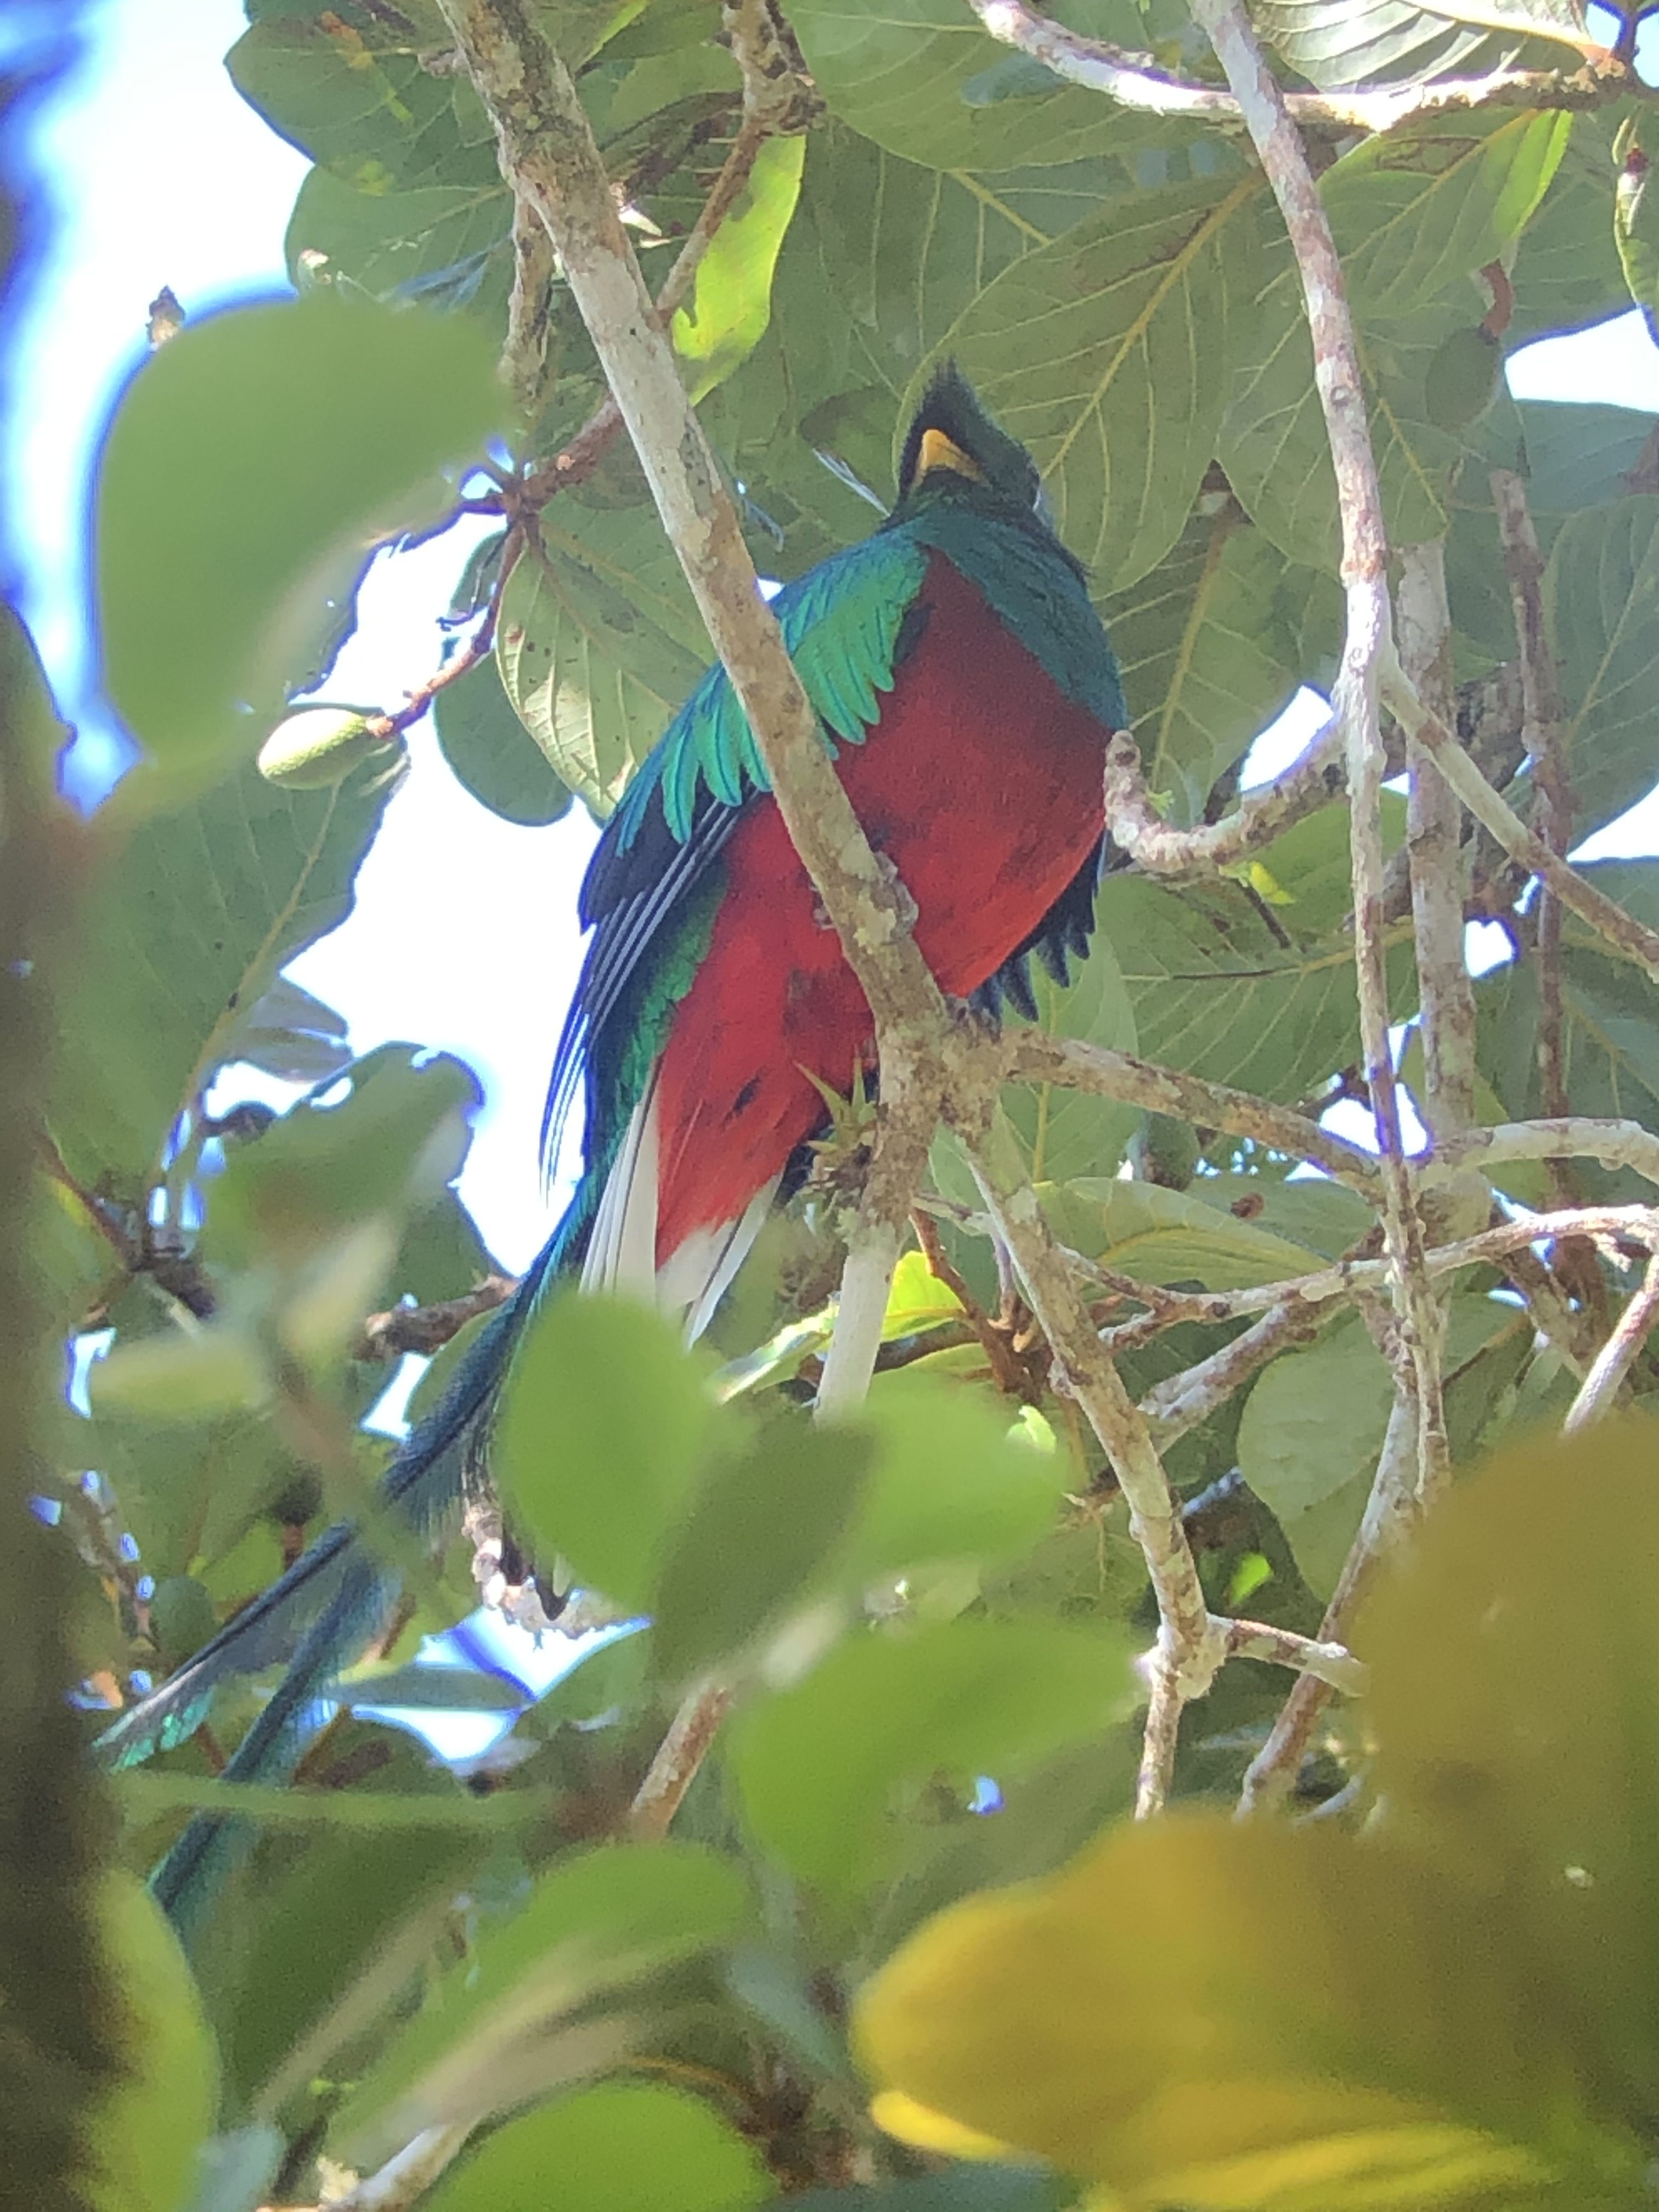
x,y
330,1604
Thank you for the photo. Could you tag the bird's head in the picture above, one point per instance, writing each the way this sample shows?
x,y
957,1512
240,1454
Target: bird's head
x,y
953,450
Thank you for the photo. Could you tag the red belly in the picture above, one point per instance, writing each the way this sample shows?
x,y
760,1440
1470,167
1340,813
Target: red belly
x,y
982,783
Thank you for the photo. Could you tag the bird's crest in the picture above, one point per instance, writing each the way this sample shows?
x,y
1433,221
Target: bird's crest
x,y
951,431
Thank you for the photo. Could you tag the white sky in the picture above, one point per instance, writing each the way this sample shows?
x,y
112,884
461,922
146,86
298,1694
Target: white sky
x,y
464,936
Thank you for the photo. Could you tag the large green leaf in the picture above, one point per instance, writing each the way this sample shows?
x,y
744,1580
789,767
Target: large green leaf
x,y
818,1764
1636,212
598,642
603,1436
1567,271
1231,987
1528,1765
614,2148
503,2031
731,302
1351,42
449,244
1601,606
1314,1423
493,754
1415,211
1068,1132
357,97
1273,442
1208,644
142,2133
1105,353
1247,2018
252,465
921,77
1580,455
1610,1032
1161,1236
182,934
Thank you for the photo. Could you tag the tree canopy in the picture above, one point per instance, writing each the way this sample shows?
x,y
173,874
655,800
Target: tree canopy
x,y
825,1880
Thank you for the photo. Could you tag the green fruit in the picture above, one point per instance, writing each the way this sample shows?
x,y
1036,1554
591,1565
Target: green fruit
x,y
1165,1150
1462,379
144,2135
319,746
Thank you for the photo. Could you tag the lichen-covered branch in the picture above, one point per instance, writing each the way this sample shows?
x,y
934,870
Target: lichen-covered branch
x,y
1156,845
1618,1355
1033,1057
1138,81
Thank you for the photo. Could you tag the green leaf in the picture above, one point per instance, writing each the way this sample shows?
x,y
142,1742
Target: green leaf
x,y
252,463
1313,1426
1272,443
1161,1236
918,1300
1065,1132
448,245
925,81
143,2133
358,98
1530,1768
492,753
614,2148
752,1539
1230,988
1579,456
290,1034
597,643
233,2172
604,1433
1636,212
597,1922
818,1765
1245,2019
1208,645
958,2188
1088,351
1602,607
390,1145
1418,209
1567,272
181,935
29,699
1350,42
1610,1032
343,1920
950,1481
731,302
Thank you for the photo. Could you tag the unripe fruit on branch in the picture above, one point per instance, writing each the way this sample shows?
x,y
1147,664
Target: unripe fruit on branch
x,y
320,746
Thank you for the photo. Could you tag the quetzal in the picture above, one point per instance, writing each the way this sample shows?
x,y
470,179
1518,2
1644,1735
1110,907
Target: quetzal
x,y
967,692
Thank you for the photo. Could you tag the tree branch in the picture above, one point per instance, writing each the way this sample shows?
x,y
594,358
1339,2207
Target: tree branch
x,y
1031,1056
1156,845
679,1755
1136,80
1618,1355
1368,642
1191,1645
1495,814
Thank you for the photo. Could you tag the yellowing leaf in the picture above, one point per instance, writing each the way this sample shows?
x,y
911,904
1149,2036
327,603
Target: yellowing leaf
x,y
1244,2020
908,2122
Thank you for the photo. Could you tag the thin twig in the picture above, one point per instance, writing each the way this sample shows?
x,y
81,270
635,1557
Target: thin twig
x,y
1191,1645
1137,79
408,2173
1333,1664
674,1768
1618,1355
427,1329
1495,814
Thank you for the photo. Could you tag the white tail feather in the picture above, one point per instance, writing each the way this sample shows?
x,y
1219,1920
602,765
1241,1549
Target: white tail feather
x,y
622,1251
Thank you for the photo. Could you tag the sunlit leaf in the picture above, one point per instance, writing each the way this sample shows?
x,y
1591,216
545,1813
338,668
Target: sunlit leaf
x,y
614,2148
731,301
252,465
